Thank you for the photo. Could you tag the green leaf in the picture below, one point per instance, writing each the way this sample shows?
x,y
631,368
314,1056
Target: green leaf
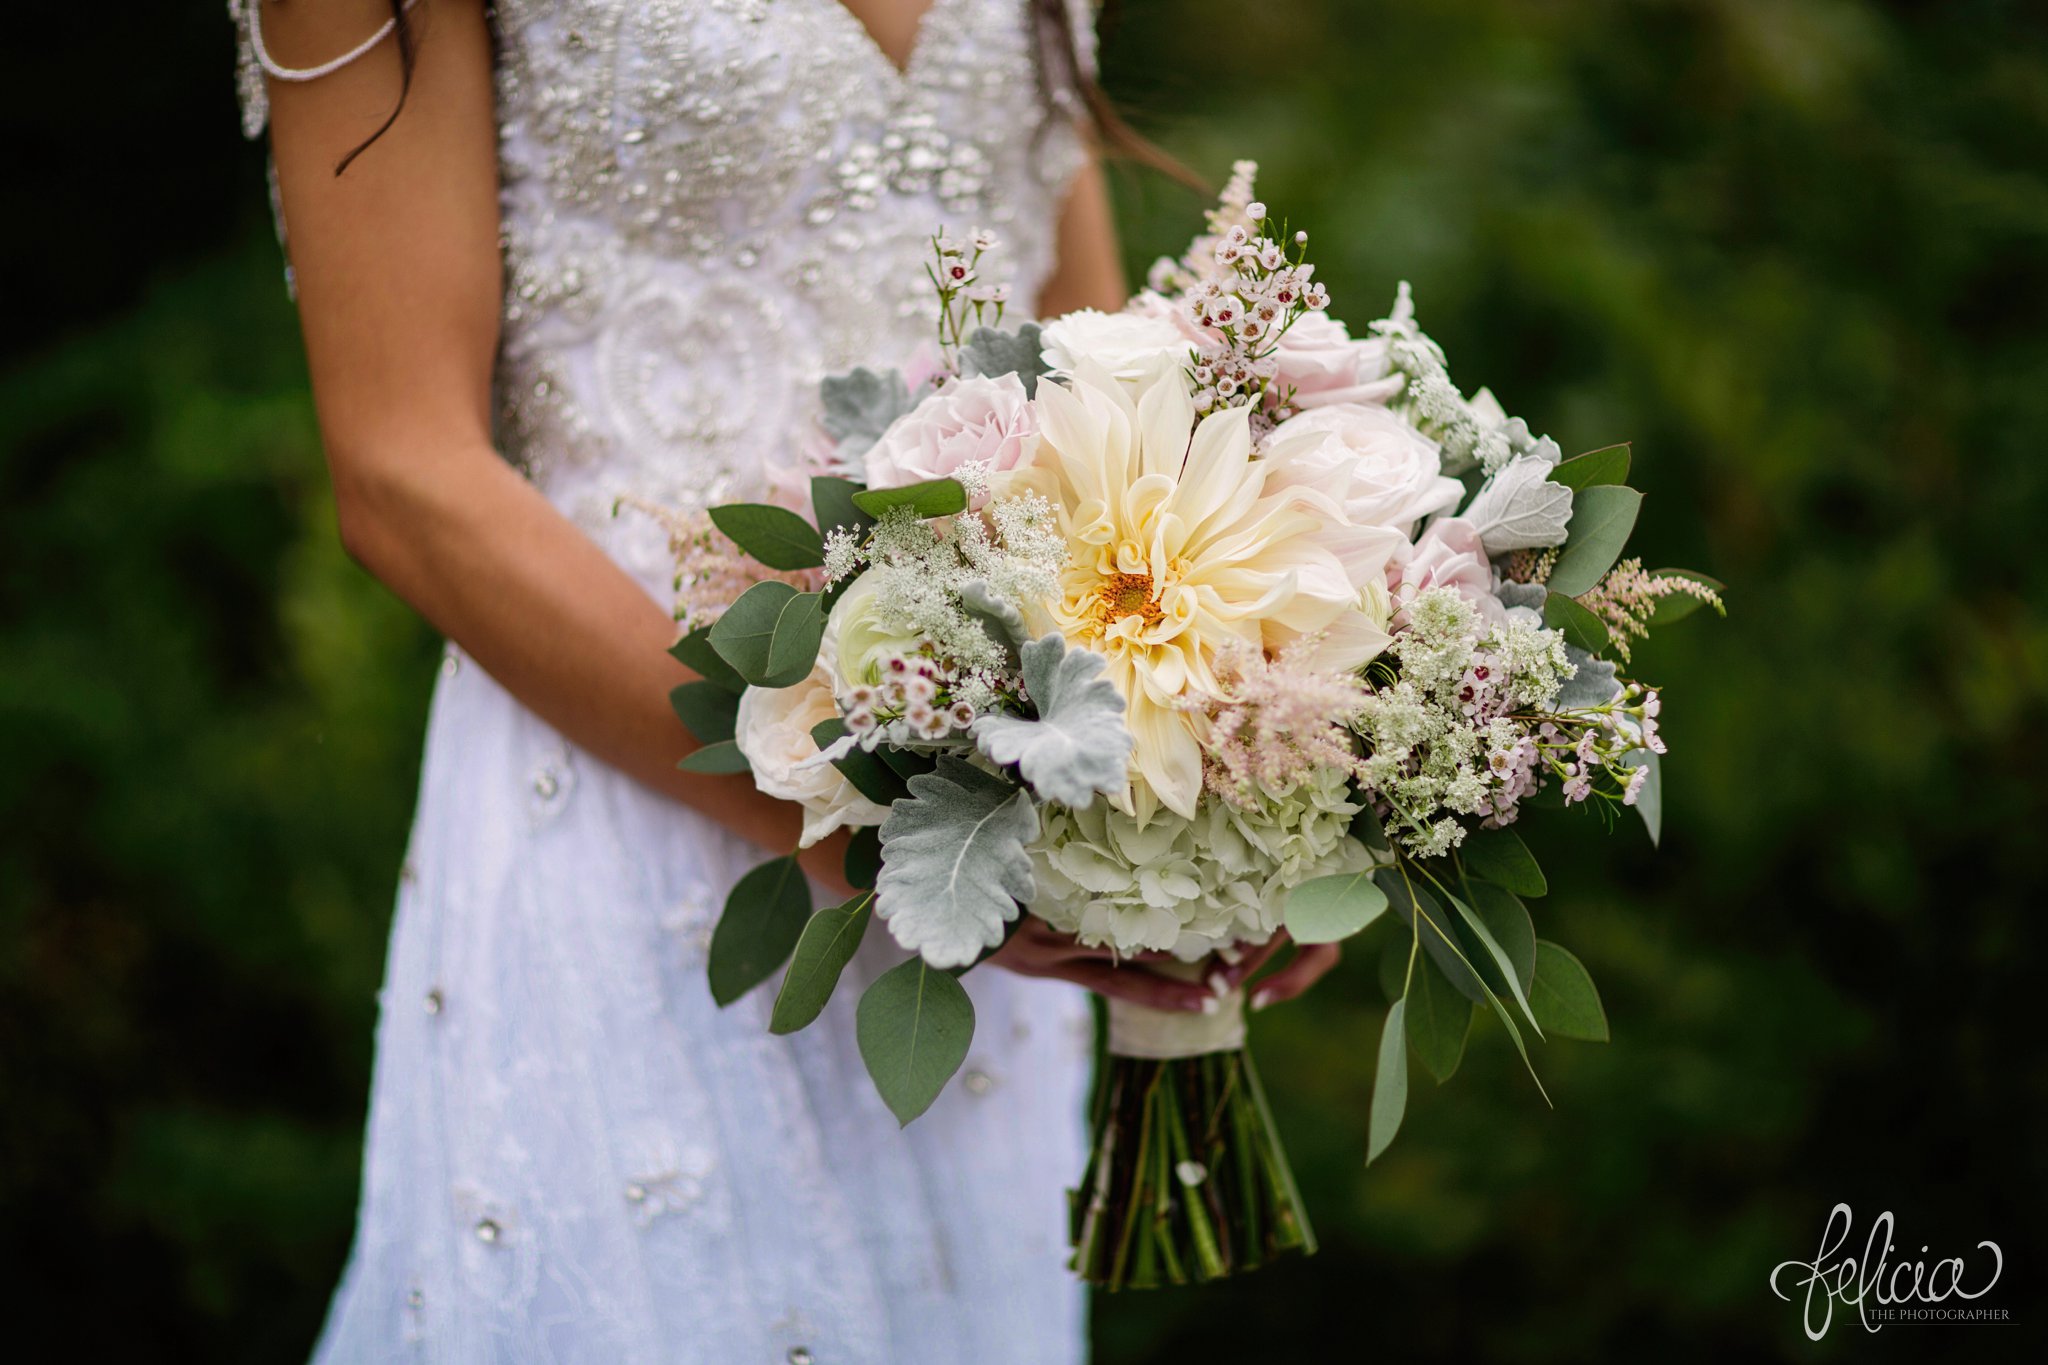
x,y
1650,800
1438,1020
1432,924
1394,967
722,759
1680,605
914,1026
1602,517
743,634
829,942
1078,747
1389,1084
1503,967
1566,1003
1580,626
1507,919
1607,465
932,498
1499,856
1365,827
864,858
906,763
763,918
793,648
832,503
870,776
707,710
1326,909
695,652
954,865
776,536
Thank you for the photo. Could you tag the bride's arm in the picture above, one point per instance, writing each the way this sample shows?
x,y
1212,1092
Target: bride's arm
x,y
1088,269
397,264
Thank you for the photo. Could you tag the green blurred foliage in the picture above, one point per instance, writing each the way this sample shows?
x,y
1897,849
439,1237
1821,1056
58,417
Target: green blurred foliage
x,y
1797,250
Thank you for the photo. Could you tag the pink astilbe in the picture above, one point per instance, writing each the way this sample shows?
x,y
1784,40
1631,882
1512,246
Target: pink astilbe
x,y
1277,722
711,571
1627,598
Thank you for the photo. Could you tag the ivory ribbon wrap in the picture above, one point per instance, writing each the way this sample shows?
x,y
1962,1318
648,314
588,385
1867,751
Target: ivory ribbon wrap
x,y
1165,1035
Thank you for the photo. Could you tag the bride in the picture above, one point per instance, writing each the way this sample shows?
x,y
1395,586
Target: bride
x,y
585,250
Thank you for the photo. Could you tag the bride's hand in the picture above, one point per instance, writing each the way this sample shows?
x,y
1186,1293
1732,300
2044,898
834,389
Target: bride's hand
x,y
1310,963
1037,949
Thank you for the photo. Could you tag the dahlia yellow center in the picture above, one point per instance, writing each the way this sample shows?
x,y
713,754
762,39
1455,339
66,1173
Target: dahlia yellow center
x,y
1176,546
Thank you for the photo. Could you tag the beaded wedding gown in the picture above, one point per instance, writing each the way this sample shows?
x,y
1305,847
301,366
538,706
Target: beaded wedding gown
x,y
573,1155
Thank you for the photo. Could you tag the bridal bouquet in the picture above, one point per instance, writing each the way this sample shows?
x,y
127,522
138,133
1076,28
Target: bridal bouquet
x,y
1179,628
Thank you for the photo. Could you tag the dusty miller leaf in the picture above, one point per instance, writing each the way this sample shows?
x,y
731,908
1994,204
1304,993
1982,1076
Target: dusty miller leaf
x,y
954,865
1520,508
1079,745
1593,685
991,354
860,404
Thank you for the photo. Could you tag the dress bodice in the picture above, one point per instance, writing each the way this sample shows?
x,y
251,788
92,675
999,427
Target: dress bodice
x,y
707,205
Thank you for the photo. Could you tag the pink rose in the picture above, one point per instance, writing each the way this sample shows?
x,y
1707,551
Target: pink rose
x,y
1325,365
1447,555
1382,471
988,422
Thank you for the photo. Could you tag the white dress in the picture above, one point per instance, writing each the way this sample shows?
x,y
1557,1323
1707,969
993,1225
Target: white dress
x,y
573,1155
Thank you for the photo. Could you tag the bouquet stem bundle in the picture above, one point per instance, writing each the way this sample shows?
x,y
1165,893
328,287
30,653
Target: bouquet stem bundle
x,y
1187,1180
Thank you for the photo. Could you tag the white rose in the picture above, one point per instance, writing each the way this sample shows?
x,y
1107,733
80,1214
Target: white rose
x,y
859,639
1382,471
1127,345
1324,365
989,422
774,732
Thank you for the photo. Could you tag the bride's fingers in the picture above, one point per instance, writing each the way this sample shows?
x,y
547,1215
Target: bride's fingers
x,y
1308,967
1250,959
1139,986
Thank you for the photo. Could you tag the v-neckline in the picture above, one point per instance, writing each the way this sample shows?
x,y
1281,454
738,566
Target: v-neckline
x,y
866,38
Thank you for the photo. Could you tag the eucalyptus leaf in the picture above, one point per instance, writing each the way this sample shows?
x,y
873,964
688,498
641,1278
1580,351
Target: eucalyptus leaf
x,y
860,405
828,943
1520,508
870,776
832,503
1499,856
743,634
1438,1020
1564,997
1595,683
1389,1084
1078,746
722,759
1609,464
707,710
864,858
1580,626
1327,909
793,647
991,353
914,1026
1507,919
696,652
1432,924
932,498
1650,800
906,763
954,865
1503,968
773,535
1365,827
762,921
1602,517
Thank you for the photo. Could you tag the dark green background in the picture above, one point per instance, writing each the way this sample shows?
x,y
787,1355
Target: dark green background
x,y
1797,250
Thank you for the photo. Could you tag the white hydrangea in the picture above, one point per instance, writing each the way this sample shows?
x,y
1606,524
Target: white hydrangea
x,y
1184,886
